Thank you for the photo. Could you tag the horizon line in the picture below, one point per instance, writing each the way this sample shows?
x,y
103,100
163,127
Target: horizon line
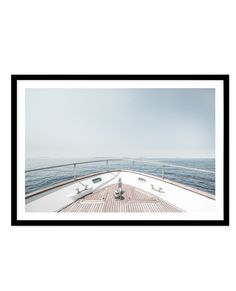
x,y
114,157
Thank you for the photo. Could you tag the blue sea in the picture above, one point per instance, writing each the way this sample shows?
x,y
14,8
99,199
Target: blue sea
x,y
199,180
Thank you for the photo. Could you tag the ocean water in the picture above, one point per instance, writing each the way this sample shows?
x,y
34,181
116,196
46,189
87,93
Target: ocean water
x,y
199,180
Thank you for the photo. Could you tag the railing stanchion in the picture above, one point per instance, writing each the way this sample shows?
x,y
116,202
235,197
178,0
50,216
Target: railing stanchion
x,y
163,173
107,164
74,170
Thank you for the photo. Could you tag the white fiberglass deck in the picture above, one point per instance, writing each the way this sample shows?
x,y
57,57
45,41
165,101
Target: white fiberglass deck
x,y
157,195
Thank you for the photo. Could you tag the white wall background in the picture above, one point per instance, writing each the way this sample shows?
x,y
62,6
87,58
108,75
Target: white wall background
x,y
78,37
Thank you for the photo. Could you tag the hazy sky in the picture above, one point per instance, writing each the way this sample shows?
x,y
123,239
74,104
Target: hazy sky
x,y
155,123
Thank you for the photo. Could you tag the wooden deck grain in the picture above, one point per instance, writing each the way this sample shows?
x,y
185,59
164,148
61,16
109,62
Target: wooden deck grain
x,y
135,200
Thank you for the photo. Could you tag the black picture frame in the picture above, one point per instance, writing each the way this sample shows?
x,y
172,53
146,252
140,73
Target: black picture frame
x,y
15,221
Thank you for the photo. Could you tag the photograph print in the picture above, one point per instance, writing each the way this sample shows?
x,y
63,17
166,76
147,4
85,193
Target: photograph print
x,y
120,150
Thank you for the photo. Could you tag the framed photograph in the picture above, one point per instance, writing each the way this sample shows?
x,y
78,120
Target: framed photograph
x,y
120,150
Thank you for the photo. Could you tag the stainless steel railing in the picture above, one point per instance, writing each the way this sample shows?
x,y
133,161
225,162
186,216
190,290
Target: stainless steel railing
x,y
72,164
163,165
136,164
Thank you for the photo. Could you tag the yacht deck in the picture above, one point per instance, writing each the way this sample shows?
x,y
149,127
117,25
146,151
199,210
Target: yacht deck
x,y
135,200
